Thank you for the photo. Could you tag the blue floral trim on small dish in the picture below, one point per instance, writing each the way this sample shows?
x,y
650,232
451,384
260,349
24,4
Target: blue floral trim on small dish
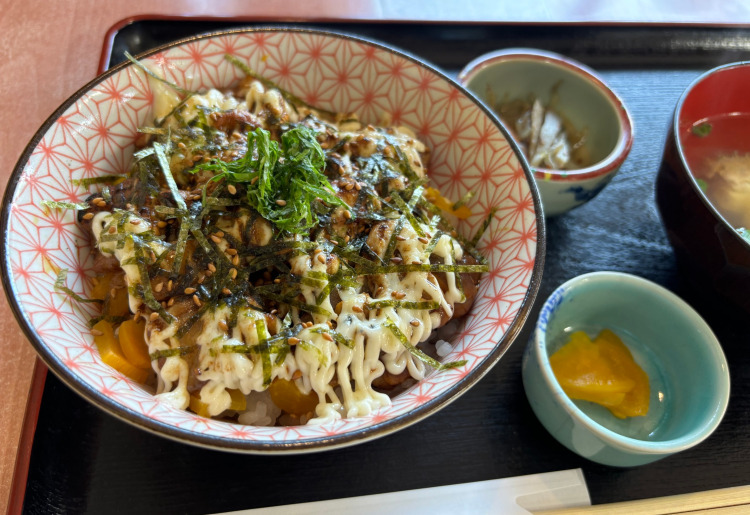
x,y
551,305
583,195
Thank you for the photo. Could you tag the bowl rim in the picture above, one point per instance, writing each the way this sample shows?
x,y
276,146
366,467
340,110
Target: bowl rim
x,y
614,160
675,139
350,438
622,442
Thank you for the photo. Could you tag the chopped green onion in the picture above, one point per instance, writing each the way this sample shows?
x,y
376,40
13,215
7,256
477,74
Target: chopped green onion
x,y
293,99
337,336
425,267
150,73
161,156
168,353
60,286
102,179
484,226
702,130
463,200
292,301
404,304
79,206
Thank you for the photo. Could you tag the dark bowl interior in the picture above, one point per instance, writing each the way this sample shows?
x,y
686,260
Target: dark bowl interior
x,y
707,246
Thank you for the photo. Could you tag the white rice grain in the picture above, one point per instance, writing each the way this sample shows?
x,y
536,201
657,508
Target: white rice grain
x,y
261,411
443,348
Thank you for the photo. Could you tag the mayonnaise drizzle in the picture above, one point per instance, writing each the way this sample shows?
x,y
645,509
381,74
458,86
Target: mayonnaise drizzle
x,y
316,361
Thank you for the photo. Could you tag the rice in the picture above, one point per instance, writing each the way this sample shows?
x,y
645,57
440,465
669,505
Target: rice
x,y
443,348
261,411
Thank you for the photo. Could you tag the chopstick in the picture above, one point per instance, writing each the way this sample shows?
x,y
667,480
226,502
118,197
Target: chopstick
x,y
723,501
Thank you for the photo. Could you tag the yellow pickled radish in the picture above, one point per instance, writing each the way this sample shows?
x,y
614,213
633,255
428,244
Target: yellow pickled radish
x,y
101,287
111,353
119,305
289,398
198,407
133,343
239,402
602,371
636,401
434,196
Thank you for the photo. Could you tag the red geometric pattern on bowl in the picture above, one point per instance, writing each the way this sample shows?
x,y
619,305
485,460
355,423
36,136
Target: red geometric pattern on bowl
x,y
95,134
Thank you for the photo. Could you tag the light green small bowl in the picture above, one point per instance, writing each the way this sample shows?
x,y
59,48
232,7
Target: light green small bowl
x,y
688,372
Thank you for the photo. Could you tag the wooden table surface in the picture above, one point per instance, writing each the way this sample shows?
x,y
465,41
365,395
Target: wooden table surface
x,y
49,49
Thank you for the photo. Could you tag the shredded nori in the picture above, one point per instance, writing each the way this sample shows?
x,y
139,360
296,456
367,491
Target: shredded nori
x,y
284,177
391,325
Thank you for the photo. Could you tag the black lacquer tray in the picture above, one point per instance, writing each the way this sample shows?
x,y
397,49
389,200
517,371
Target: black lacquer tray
x,y
85,461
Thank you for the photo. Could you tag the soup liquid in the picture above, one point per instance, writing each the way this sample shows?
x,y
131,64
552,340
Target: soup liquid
x,y
717,151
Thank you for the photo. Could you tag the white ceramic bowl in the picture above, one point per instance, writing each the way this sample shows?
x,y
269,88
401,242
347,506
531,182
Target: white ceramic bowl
x,y
583,99
93,134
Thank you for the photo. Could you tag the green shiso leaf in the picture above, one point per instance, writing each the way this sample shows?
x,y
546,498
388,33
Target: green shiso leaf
x,y
285,183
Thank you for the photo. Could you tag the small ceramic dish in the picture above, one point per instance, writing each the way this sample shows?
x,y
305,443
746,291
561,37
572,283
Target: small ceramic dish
x,y
583,101
702,205
687,370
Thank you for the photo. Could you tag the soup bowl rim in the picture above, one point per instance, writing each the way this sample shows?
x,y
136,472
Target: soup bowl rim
x,y
686,169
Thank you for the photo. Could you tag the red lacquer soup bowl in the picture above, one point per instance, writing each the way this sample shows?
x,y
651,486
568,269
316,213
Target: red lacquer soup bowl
x,y
703,184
